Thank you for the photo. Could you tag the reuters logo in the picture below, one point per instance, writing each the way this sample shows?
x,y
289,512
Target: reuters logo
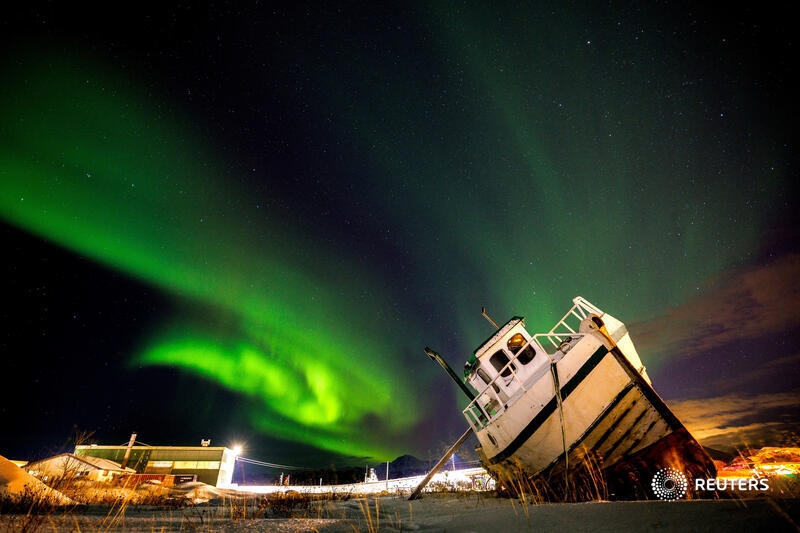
x,y
669,484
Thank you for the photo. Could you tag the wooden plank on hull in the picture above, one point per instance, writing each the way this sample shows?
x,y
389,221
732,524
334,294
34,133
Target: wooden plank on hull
x,y
634,436
615,422
627,428
647,431
658,431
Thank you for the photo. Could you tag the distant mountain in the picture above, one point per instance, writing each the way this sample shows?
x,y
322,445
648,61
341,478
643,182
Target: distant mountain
x,y
719,455
408,465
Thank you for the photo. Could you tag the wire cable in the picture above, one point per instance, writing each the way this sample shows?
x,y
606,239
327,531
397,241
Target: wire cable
x,y
272,465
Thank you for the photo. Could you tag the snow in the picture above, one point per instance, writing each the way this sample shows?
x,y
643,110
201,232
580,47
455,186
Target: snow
x,y
15,482
451,479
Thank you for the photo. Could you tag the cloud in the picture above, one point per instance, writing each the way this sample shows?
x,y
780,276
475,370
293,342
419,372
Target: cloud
x,y
727,421
748,303
769,368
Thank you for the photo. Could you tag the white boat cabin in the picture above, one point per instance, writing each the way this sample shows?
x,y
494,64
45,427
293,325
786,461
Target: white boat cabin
x,y
507,360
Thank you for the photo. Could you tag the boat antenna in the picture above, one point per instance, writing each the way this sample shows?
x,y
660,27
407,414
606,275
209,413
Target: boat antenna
x,y
487,317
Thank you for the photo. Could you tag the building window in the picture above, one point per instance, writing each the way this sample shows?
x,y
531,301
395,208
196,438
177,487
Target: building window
x,y
159,464
196,465
515,343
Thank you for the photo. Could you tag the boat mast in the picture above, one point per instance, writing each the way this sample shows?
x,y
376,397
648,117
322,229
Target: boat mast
x,y
487,317
438,358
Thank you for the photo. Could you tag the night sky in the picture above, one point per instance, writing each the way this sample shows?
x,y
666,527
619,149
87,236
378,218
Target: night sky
x,y
245,224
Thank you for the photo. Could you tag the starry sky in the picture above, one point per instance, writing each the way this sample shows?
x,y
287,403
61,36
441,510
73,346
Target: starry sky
x,y
245,223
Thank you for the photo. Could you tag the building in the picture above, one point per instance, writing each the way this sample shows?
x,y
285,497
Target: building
x,y
72,465
211,465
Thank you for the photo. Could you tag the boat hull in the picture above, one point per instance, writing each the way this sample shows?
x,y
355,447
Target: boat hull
x,y
614,424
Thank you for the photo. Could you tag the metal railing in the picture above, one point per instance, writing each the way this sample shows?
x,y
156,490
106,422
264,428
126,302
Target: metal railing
x,y
488,405
580,309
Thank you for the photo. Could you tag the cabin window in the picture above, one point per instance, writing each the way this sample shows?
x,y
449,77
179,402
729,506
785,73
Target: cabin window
x,y
500,360
486,379
515,343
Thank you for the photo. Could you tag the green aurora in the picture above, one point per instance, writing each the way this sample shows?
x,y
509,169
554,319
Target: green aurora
x,y
87,165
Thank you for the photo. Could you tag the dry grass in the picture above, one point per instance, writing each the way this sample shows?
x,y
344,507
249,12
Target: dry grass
x,y
33,509
29,510
585,482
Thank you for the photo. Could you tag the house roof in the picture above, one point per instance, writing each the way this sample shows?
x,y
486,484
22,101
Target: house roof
x,y
94,462
125,446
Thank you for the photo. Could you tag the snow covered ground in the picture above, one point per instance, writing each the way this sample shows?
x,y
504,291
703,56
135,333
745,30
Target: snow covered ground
x,y
15,482
448,512
476,478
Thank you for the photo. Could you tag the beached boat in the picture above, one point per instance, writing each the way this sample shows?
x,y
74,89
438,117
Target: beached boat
x,y
548,403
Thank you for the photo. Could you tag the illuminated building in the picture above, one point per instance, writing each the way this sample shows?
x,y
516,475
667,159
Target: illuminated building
x,y
211,465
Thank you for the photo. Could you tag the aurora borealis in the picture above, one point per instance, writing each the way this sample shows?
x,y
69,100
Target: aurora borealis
x,y
129,198
302,200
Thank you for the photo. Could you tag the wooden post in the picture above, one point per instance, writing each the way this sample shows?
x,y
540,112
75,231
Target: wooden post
x,y
128,451
437,466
